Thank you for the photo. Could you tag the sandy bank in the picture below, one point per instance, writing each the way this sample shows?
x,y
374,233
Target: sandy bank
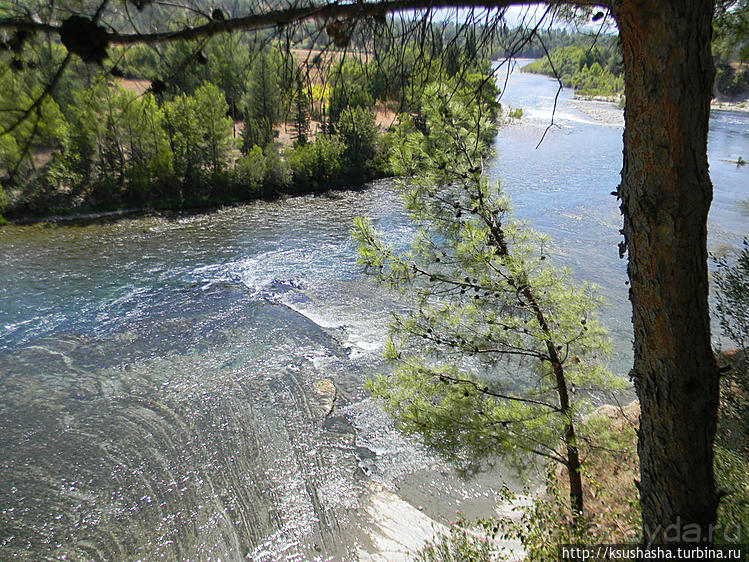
x,y
608,112
741,106
600,111
399,529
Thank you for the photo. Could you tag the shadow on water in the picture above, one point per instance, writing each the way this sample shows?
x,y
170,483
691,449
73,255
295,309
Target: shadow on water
x,y
171,211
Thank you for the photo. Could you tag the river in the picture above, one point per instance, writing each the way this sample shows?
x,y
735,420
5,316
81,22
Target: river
x,y
190,386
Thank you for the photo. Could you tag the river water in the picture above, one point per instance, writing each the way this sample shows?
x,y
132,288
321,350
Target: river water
x,y
190,387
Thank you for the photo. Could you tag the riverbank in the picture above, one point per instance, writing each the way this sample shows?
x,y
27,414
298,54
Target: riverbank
x,y
741,106
603,112
398,528
606,111
61,214
401,530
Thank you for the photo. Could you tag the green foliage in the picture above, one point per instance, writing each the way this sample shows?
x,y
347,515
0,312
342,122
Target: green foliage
x,y
277,174
263,103
732,298
464,541
215,127
103,145
537,520
729,80
227,64
731,280
731,31
256,132
302,105
201,135
83,162
248,170
596,81
452,59
350,89
733,510
184,137
317,165
516,113
140,61
491,325
149,156
515,41
475,89
114,130
45,128
589,70
358,132
539,526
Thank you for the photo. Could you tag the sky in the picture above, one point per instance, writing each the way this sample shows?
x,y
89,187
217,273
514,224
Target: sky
x,y
528,16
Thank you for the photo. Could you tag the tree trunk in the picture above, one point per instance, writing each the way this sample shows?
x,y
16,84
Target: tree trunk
x,y
572,464
665,197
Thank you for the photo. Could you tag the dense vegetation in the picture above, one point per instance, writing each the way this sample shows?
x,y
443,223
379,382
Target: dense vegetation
x,y
591,71
237,117
233,118
594,67
610,472
731,47
190,125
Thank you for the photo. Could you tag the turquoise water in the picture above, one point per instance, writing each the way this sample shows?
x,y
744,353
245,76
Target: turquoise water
x,y
191,386
158,384
564,187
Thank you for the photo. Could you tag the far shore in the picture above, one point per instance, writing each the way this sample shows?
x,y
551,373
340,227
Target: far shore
x,y
104,213
606,110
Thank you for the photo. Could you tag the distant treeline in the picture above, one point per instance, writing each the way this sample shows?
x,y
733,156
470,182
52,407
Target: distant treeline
x,y
592,65
256,115
591,71
199,124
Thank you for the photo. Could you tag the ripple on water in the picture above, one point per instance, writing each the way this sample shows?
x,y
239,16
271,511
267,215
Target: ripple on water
x,y
211,446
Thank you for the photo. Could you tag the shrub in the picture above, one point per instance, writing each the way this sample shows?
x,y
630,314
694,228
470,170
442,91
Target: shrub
x,y
350,89
733,509
249,171
316,165
732,298
516,113
464,541
276,173
358,132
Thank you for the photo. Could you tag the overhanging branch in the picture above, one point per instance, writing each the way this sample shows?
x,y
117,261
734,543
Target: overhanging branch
x,y
284,17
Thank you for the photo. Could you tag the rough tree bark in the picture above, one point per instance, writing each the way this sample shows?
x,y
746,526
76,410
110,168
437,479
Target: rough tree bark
x,y
665,197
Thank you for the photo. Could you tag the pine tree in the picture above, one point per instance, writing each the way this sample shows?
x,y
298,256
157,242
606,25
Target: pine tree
x,y
301,113
262,107
500,353
452,59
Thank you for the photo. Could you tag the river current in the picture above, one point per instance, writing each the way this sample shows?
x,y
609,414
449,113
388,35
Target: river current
x,y
190,386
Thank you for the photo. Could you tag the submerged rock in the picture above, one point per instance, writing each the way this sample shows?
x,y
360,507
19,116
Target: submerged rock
x,y
325,398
